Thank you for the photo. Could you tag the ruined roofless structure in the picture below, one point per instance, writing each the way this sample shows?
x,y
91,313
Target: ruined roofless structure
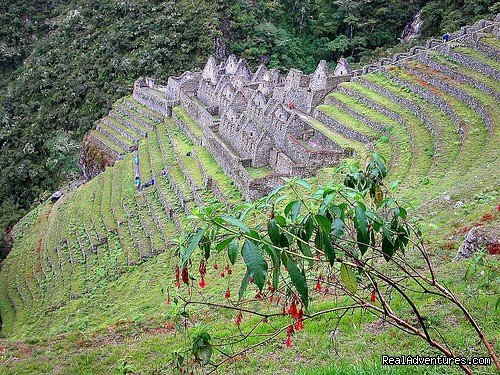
x,y
252,119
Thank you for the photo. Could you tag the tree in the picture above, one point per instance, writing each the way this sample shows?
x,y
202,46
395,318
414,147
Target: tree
x,y
353,238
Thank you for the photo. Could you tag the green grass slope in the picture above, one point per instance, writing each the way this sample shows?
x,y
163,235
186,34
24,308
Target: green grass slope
x,y
84,288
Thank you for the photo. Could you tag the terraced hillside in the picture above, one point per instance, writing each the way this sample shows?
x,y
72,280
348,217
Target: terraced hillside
x,y
434,116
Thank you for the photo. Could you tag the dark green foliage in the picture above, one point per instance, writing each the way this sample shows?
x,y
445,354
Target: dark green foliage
x,y
62,64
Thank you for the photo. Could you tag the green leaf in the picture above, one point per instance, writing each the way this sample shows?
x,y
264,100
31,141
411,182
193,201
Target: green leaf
x,y
255,262
293,208
338,227
387,246
243,286
360,222
305,249
308,227
280,220
276,264
348,276
324,223
363,241
232,251
298,280
236,223
195,240
323,242
303,183
223,244
274,232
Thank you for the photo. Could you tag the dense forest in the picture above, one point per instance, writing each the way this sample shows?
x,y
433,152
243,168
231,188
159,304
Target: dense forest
x,y
63,63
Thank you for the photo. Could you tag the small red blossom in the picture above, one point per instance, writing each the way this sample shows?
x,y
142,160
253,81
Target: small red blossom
x,y
271,299
227,294
229,271
373,298
265,320
216,267
293,310
289,333
250,279
278,300
185,275
203,283
317,288
168,298
222,274
494,249
177,277
238,319
202,269
299,324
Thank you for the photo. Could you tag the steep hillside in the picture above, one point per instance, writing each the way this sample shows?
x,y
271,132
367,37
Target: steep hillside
x,y
99,258
63,63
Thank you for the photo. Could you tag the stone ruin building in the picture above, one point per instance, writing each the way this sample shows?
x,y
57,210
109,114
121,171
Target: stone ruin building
x,y
253,119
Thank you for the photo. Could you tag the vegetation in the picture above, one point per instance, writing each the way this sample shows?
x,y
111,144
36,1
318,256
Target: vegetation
x,y
93,275
46,107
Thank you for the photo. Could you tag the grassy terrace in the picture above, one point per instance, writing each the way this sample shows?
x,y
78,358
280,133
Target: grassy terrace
x,y
384,148
477,56
193,126
487,101
420,136
340,139
108,142
76,281
460,68
258,172
116,134
403,151
446,131
492,41
127,129
475,140
138,106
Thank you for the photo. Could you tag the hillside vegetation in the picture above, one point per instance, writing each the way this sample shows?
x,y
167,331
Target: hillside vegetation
x,y
88,275
63,63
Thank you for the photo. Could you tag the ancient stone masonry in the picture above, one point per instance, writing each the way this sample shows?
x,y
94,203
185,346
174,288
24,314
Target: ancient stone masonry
x,y
251,119
425,59
267,124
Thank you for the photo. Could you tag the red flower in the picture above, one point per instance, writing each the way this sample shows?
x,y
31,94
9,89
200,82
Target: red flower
x,y
271,299
185,275
202,269
228,294
317,288
229,271
222,274
168,298
216,267
250,279
177,277
289,333
293,310
494,249
238,319
288,341
372,298
202,283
